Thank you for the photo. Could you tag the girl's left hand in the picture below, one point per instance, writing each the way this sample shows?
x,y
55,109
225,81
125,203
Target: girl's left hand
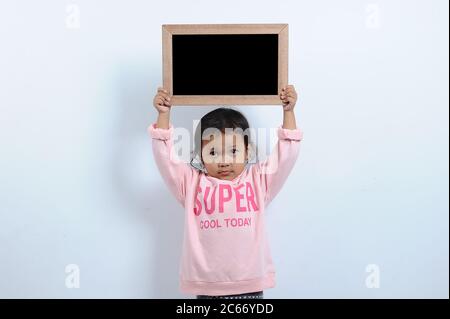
x,y
288,96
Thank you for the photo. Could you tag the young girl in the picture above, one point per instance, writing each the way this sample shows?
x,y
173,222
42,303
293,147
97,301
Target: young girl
x,y
225,249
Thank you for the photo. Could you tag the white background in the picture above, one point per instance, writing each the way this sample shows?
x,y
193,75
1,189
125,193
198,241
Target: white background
x,y
78,184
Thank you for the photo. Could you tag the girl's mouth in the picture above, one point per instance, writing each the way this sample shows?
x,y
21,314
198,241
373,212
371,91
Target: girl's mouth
x,y
224,173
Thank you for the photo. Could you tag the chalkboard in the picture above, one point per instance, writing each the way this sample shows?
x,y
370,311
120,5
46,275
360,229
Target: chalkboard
x,y
224,64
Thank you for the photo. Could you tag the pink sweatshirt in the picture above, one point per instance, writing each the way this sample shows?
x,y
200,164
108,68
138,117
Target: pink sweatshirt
x,y
225,247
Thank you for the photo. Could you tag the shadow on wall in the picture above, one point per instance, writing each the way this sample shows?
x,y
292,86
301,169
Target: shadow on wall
x,y
155,206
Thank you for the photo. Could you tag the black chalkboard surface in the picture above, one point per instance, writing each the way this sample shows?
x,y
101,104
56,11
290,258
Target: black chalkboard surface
x,y
225,64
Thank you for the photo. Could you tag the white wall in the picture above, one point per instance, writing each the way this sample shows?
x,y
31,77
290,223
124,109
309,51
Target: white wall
x,y
78,182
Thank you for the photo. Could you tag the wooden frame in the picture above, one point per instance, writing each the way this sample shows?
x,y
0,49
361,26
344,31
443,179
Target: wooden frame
x,y
170,29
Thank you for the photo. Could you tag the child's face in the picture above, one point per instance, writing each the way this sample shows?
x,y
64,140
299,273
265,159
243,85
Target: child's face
x,y
224,155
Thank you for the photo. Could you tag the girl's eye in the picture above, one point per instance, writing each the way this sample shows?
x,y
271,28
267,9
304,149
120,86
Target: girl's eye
x,y
234,151
212,153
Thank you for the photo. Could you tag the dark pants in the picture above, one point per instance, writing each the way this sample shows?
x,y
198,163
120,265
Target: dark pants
x,y
248,295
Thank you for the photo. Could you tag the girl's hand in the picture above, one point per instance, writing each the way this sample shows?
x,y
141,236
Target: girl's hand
x,y
289,97
162,101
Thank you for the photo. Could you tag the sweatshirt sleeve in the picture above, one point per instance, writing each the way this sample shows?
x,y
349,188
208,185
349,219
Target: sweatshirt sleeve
x,y
274,171
175,173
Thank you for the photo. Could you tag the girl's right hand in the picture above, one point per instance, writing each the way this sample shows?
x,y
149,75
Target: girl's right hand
x,y
162,101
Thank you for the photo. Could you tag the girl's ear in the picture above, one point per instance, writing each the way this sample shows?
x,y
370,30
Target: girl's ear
x,y
251,153
197,162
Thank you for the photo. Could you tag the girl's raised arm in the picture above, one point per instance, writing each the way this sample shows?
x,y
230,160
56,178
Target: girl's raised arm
x,y
274,171
162,104
176,174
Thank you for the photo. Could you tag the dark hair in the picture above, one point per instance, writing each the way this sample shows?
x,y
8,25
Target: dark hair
x,y
220,119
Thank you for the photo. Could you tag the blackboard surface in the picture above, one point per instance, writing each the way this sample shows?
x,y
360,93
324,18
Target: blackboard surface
x,y
225,64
